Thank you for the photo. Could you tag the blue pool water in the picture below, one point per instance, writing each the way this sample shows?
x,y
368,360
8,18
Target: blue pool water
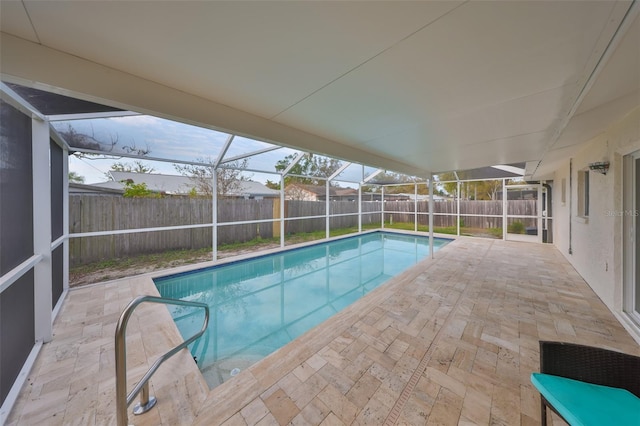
x,y
258,305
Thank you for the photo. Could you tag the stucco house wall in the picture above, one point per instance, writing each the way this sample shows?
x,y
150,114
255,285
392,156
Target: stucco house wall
x,y
594,244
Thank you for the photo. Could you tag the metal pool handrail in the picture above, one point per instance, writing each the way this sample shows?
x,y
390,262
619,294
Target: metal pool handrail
x,y
146,402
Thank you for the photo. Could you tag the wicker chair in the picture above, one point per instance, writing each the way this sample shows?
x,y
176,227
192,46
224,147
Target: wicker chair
x,y
590,365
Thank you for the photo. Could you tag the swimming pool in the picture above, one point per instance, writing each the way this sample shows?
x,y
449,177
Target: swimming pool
x,y
260,304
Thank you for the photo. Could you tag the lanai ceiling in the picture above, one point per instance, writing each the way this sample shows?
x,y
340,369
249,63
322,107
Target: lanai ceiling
x,y
415,87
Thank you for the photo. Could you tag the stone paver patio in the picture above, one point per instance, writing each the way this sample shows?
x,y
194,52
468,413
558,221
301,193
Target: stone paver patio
x,y
451,341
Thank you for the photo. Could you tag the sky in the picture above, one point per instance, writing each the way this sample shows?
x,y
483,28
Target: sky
x,y
174,141
164,139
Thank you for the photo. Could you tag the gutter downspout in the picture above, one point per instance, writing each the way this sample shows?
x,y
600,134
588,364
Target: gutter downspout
x,y
570,201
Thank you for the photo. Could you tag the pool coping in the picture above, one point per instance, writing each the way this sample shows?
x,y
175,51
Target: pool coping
x,y
296,348
295,247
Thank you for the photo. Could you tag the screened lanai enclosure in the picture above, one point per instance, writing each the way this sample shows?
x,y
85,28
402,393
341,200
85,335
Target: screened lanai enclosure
x,y
209,127
191,188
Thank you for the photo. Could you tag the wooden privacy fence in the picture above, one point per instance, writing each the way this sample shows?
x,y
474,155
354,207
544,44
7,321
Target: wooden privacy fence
x,y
473,214
94,213
299,208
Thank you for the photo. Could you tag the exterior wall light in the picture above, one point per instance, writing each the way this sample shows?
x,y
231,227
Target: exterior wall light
x,y
599,167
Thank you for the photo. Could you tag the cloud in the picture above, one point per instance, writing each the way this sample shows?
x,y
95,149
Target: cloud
x,y
138,120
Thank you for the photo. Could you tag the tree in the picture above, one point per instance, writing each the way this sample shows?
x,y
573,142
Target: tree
x,y
487,189
310,169
230,176
75,177
397,178
468,190
89,141
471,190
137,167
449,187
272,185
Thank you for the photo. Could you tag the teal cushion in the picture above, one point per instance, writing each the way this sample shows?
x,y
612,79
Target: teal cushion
x,y
585,404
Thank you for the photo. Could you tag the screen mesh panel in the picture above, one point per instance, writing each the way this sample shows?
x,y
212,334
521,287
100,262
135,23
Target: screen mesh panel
x,y
16,188
17,334
57,199
56,274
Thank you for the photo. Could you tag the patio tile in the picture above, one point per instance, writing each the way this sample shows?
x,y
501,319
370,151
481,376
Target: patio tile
x,y
451,341
281,407
313,413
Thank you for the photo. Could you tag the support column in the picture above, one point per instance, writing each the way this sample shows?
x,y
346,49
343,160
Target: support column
x,y
431,208
214,195
359,207
505,206
214,212
327,209
42,230
382,202
282,210
415,207
65,219
458,209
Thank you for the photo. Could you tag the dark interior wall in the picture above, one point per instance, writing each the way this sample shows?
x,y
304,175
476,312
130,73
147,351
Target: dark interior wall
x,y
17,334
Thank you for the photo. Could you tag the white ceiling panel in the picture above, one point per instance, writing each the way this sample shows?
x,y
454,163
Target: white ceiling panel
x,y
446,157
422,86
260,57
621,75
496,75
15,20
615,92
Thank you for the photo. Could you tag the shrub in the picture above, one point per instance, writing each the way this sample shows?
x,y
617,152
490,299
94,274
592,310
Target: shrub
x,y
516,227
495,232
138,190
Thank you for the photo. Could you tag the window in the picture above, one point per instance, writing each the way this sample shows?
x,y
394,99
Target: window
x,y
631,235
583,193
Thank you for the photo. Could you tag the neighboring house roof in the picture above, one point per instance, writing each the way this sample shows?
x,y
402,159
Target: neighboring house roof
x,y
174,184
80,188
169,184
313,189
110,184
342,192
253,189
377,196
321,190
422,197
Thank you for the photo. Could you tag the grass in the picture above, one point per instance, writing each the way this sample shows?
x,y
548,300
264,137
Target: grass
x,y
162,258
450,230
407,226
